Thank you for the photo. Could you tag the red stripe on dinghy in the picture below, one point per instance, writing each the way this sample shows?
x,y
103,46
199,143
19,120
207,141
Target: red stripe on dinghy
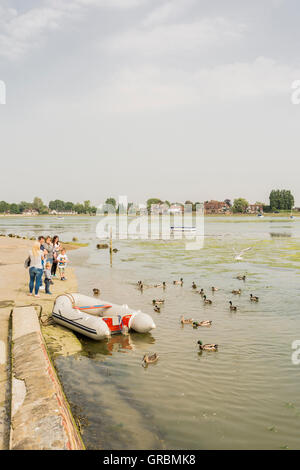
x,y
93,306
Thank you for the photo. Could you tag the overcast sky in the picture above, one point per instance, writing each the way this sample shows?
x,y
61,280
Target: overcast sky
x,y
180,99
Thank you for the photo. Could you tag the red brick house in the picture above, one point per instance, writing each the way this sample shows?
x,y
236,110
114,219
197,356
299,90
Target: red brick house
x,y
216,207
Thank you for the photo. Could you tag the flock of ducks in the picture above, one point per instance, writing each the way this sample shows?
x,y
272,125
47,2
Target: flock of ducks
x,y
150,359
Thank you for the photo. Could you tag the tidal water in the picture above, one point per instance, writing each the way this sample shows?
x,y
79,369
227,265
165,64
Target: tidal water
x,y
246,395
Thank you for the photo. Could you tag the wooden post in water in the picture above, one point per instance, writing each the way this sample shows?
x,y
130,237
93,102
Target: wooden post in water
x,y
110,247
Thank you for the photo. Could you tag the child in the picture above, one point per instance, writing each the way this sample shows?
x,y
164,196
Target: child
x,y
47,277
62,260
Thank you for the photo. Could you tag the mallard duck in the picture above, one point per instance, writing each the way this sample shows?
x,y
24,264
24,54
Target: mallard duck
x,y
241,278
207,347
254,298
194,285
96,291
115,250
163,284
202,323
206,301
178,283
201,292
156,308
101,246
214,289
150,359
232,307
184,321
236,292
158,301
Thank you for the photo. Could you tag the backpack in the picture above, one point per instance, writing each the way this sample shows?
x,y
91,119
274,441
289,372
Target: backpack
x,y
27,262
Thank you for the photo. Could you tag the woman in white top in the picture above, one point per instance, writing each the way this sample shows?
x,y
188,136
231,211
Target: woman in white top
x,y
35,269
56,250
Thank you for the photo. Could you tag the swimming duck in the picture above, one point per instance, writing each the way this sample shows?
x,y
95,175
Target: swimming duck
x,y
236,292
158,301
254,298
207,347
232,307
96,291
150,359
214,289
160,285
201,292
156,308
206,301
184,321
241,278
115,250
202,323
194,285
178,283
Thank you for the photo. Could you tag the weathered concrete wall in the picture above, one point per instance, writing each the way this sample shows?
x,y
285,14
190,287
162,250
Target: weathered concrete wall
x,y
41,418
4,378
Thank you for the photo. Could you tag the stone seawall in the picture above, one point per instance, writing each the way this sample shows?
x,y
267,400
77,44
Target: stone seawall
x,y
40,415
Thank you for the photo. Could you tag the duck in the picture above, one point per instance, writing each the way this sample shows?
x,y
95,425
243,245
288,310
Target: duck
x,y
150,359
160,285
156,308
232,307
158,301
236,292
254,298
187,321
241,278
207,347
178,283
141,286
194,285
201,292
202,323
96,291
115,250
214,289
206,301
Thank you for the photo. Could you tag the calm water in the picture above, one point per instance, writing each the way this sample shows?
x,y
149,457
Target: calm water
x,y
244,396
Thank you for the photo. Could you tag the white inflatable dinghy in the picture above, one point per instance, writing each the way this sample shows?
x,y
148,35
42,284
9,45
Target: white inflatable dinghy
x,y
97,318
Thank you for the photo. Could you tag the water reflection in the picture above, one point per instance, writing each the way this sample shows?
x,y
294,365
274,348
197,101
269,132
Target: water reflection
x,y
115,344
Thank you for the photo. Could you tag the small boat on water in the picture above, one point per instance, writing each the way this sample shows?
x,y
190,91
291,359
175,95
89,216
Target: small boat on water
x,y
182,229
98,320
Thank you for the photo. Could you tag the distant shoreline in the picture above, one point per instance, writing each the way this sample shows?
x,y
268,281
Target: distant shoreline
x,y
266,214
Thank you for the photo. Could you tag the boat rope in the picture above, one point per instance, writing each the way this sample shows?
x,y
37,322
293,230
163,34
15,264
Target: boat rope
x,y
70,297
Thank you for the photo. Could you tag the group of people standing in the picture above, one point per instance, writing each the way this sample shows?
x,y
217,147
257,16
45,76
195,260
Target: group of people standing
x,y
44,258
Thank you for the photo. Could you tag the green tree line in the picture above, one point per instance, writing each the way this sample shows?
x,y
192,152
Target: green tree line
x,y
38,205
279,200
